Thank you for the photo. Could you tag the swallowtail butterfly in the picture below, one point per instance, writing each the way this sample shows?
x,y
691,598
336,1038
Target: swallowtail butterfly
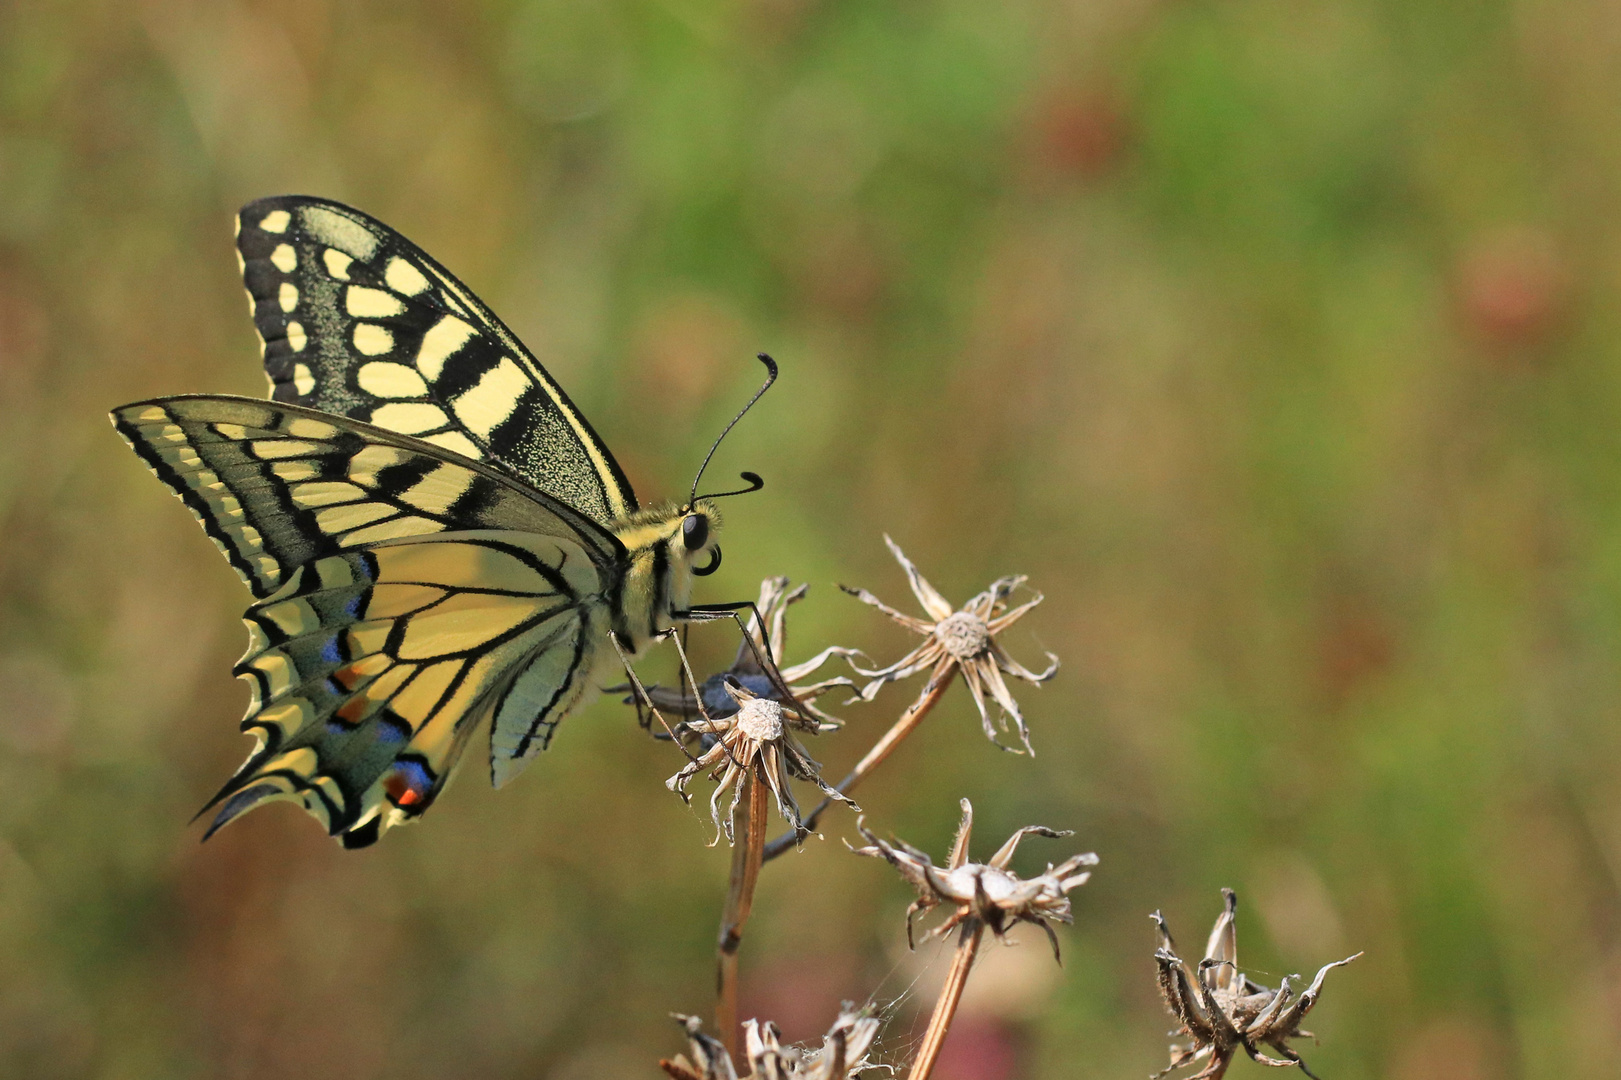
x,y
433,535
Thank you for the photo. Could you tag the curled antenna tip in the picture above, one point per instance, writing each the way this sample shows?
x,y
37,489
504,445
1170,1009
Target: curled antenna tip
x,y
771,377
754,481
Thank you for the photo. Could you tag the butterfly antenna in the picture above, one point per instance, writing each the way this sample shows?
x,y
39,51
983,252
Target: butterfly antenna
x,y
754,481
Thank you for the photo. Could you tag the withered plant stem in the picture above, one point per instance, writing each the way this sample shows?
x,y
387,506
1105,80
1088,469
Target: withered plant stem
x,y
946,1006
914,714
747,847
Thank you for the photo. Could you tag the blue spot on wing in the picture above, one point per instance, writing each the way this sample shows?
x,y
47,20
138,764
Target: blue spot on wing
x,y
415,774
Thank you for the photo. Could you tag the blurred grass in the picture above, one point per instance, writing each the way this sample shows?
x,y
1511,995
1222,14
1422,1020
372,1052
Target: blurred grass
x,y
1277,344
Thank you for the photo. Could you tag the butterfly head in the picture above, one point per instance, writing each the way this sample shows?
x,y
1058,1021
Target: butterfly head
x,y
700,521
667,547
687,535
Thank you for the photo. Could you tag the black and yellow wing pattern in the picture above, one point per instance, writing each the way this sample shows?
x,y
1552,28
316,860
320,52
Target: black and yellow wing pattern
x,y
404,594
357,320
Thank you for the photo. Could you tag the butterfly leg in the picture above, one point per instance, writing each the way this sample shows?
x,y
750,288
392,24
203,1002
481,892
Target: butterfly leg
x,y
692,681
711,612
686,667
642,696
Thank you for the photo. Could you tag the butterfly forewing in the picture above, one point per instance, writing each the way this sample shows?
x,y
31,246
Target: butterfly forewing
x,y
357,320
279,486
404,596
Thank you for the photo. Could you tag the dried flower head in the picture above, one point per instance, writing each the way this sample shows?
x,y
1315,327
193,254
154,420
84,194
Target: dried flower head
x,y
748,671
987,892
960,640
757,735
842,1055
1223,1010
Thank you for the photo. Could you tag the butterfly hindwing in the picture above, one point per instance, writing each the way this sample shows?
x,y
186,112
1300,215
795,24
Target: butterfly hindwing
x,y
357,320
370,670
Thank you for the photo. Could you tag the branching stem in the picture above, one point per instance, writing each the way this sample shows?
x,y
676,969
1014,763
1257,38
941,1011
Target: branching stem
x,y
747,848
914,714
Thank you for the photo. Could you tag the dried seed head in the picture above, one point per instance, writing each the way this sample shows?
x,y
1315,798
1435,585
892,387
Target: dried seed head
x,y
758,737
963,634
1223,1010
760,718
842,1055
986,892
964,640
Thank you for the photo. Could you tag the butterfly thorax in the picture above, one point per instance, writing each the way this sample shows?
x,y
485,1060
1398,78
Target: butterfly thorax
x,y
664,545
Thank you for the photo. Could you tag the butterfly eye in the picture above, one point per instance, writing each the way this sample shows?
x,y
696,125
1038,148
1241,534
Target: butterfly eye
x,y
695,531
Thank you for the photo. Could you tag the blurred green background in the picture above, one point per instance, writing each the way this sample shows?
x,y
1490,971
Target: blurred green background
x,y
1277,342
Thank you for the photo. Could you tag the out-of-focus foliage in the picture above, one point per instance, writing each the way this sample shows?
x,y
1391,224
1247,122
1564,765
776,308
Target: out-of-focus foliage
x,y
1277,342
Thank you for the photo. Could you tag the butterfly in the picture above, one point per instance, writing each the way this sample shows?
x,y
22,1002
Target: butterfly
x,y
433,534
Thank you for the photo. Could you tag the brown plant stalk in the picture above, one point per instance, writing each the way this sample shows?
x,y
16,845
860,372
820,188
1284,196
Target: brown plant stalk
x,y
968,939
945,1006
908,722
984,896
746,860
